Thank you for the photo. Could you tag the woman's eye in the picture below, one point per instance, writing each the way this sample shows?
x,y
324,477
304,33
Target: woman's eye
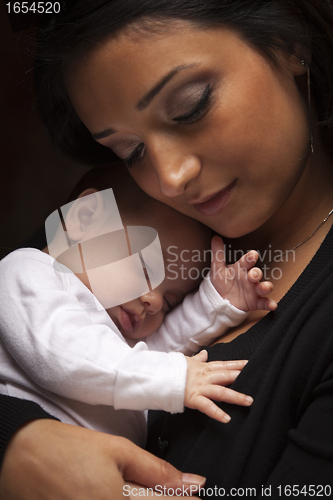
x,y
136,156
198,111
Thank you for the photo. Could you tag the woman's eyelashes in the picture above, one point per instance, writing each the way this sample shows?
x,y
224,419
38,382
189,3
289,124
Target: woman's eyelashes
x,y
136,156
198,111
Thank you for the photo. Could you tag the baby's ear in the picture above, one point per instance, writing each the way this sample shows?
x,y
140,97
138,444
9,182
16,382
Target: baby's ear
x,y
84,213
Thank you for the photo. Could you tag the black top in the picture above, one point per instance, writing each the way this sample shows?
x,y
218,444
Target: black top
x,y
286,437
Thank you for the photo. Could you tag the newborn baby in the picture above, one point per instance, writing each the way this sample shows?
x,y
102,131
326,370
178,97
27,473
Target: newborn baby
x,y
102,367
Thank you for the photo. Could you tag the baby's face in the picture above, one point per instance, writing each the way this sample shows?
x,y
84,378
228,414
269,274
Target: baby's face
x,y
185,244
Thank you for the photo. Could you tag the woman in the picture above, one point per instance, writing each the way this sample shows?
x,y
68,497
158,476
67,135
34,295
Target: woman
x,y
223,110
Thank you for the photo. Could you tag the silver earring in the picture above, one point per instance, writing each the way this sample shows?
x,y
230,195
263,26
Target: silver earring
x,y
304,63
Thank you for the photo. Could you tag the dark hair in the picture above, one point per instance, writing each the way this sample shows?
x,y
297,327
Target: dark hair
x,y
266,24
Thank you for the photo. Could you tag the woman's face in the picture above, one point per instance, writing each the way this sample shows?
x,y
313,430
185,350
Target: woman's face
x,y
205,123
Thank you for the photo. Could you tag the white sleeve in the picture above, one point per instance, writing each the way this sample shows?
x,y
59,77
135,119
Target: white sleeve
x,y
202,317
52,338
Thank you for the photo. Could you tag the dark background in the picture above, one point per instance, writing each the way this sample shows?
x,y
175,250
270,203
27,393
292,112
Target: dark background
x,y
35,178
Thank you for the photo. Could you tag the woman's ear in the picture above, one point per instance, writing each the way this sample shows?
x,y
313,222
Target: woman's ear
x,y
84,213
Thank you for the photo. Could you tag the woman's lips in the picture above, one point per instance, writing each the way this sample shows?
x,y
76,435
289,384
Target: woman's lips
x,y
216,202
129,321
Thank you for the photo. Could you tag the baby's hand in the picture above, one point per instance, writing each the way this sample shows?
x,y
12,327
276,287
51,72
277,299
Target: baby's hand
x,y
206,381
239,282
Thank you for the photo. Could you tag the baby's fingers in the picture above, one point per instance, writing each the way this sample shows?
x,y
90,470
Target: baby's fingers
x,y
223,377
210,409
255,275
248,260
264,288
266,304
220,393
201,356
217,247
226,365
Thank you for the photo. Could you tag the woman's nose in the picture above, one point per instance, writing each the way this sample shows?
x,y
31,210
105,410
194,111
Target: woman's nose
x,y
175,169
152,301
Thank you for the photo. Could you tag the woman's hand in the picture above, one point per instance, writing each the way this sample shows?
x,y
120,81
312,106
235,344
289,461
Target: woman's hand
x,y
207,381
49,460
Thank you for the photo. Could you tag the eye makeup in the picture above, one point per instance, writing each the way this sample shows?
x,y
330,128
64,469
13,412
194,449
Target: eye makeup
x,y
124,147
182,99
198,110
136,156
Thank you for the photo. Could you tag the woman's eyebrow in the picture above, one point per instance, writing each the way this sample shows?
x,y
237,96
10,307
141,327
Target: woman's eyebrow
x,y
146,100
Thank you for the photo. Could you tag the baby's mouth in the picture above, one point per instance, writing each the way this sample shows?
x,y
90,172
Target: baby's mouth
x,y
129,320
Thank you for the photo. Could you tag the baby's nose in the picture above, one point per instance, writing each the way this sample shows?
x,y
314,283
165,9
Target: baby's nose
x,y
152,301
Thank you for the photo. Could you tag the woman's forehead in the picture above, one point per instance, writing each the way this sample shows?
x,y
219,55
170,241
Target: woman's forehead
x,y
125,68
124,53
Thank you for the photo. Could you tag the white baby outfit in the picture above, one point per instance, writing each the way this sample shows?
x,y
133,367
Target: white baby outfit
x,y
58,350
